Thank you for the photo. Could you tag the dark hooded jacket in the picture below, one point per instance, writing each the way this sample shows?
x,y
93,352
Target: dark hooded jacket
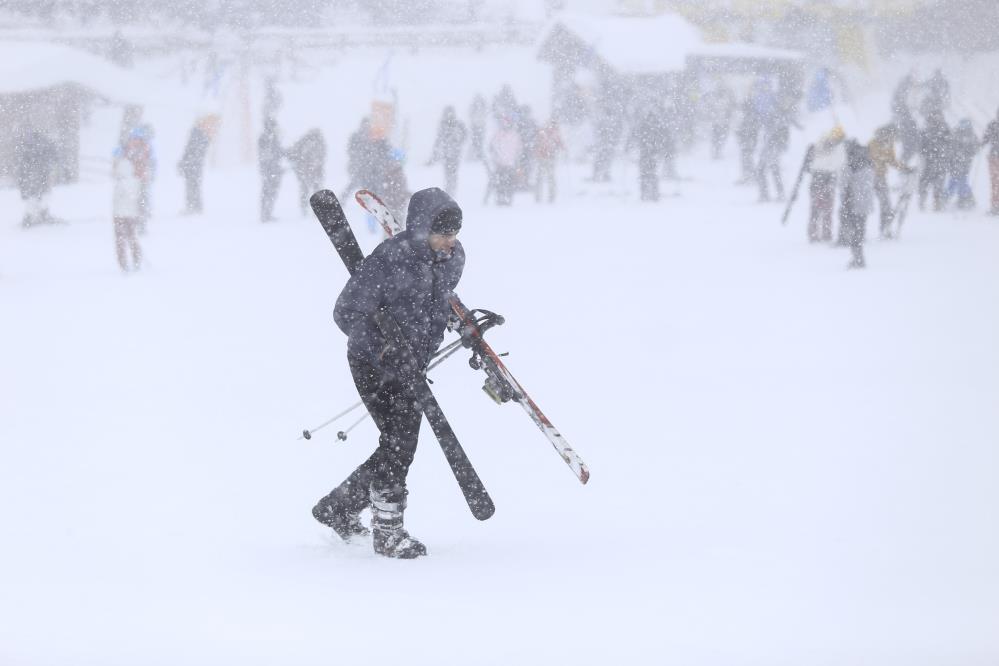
x,y
405,277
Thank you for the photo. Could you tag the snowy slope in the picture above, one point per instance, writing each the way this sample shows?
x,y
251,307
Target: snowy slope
x,y
791,463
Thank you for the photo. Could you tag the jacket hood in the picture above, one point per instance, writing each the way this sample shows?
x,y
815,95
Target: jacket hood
x,y
426,205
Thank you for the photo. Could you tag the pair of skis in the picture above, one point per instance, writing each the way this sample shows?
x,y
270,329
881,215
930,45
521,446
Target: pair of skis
x,y
328,210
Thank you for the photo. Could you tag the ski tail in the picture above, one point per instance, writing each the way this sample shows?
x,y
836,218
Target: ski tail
x,y
330,214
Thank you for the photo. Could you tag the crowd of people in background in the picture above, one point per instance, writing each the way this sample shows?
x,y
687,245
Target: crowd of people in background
x,y
520,155
935,165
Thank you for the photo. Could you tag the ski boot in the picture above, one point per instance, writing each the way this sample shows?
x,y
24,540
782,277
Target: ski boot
x,y
342,514
390,539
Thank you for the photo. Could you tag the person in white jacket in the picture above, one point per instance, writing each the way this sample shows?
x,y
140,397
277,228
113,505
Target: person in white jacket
x,y
127,209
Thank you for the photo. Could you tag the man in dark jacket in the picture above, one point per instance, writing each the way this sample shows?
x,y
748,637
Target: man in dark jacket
x,y
410,276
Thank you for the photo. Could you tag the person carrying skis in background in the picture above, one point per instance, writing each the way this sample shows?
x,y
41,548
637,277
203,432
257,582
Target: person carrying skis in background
x,y
269,154
857,200
825,162
451,135
963,148
410,276
991,138
882,150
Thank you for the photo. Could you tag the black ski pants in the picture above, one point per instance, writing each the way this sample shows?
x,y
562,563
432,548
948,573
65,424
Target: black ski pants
x,y
398,418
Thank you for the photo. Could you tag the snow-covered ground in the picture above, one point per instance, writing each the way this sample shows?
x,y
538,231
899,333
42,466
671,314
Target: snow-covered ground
x,y
792,463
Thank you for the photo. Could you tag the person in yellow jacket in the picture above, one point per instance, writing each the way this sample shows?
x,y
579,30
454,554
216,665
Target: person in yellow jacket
x,y
882,150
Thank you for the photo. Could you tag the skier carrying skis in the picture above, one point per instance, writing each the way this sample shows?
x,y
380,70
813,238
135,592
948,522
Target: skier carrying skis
x,y
410,276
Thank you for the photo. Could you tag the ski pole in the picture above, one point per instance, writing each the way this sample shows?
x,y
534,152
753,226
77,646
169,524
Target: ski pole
x,y
307,434
441,356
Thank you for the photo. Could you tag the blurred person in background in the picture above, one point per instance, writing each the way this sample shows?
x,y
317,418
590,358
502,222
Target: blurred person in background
x,y
477,115
547,148
505,149
144,159
308,160
825,161
650,134
718,105
35,158
126,204
748,136
192,162
269,156
527,127
857,200
934,148
358,158
410,276
991,138
963,148
882,150
451,135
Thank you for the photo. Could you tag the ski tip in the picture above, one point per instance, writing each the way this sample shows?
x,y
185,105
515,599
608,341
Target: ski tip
x,y
584,475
